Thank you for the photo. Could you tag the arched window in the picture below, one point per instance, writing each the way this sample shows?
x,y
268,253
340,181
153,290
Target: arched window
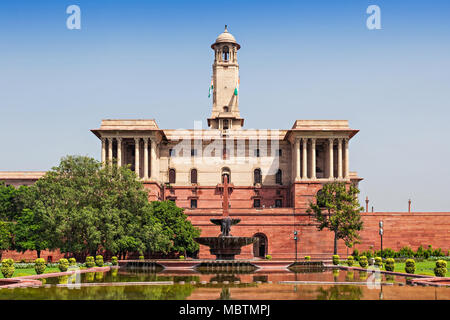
x,y
225,53
257,176
172,176
279,177
194,176
226,172
225,109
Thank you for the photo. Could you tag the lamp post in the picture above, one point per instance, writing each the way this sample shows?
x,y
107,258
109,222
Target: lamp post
x,y
295,239
381,236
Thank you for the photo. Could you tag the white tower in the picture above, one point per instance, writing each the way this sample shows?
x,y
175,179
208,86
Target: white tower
x,y
225,111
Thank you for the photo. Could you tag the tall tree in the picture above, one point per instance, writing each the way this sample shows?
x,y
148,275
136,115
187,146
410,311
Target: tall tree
x,y
29,233
5,237
180,230
337,208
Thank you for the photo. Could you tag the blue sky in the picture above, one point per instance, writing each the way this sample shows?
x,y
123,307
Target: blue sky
x,y
299,60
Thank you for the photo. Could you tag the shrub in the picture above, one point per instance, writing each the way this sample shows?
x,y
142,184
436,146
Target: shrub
x,y
410,266
363,262
63,265
99,261
420,252
307,258
441,268
90,262
7,268
350,261
378,262
142,257
268,257
355,254
389,264
39,265
180,257
438,253
335,259
405,252
72,262
114,261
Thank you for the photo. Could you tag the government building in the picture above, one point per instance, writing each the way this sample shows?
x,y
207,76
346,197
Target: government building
x,y
273,174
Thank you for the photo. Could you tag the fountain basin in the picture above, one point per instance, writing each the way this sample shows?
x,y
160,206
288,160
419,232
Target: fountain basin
x,y
225,248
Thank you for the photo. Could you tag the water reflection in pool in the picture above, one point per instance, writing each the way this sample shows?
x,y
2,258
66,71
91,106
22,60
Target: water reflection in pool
x,y
272,285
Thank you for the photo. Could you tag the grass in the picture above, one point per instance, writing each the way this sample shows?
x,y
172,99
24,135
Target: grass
x,y
30,272
423,267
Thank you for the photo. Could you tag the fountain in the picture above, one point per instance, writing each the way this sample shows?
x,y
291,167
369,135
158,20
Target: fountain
x,y
225,246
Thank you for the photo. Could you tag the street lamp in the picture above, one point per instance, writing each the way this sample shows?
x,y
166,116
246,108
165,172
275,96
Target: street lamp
x,y
295,239
381,236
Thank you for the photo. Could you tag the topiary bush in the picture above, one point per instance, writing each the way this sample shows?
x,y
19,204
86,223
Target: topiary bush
x,y
72,262
39,265
378,262
307,258
99,261
7,268
268,257
90,263
441,268
63,265
335,259
114,261
142,257
180,257
350,261
363,261
410,266
389,265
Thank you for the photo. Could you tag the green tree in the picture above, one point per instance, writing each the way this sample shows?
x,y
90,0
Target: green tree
x,y
29,233
5,237
337,208
180,230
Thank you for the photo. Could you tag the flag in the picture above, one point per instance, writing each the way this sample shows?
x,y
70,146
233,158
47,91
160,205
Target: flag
x,y
211,87
237,88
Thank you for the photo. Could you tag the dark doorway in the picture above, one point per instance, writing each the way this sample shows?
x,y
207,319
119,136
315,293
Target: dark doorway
x,y
260,246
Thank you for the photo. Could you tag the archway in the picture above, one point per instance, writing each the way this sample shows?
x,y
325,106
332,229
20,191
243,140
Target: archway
x,y
260,247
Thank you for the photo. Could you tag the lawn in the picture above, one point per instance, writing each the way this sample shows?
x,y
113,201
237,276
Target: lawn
x,y
30,272
422,267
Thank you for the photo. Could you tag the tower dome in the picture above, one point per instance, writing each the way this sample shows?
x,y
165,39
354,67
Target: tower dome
x,y
226,37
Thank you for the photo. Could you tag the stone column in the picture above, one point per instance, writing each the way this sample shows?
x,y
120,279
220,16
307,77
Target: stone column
x,y
304,159
103,151
330,158
136,157
340,158
119,152
110,150
346,167
297,159
145,158
313,158
153,159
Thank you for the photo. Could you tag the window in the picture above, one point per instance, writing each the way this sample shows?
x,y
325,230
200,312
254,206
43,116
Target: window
x,y
278,203
171,153
193,152
172,176
194,176
257,176
256,153
280,152
278,177
226,172
225,153
225,109
225,125
193,203
256,203
225,53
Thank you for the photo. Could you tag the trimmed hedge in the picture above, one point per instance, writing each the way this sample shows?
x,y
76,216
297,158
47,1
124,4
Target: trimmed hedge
x,y
142,257
307,258
389,265
63,265
99,261
378,262
39,265
363,262
350,261
72,262
114,261
268,257
90,262
441,268
335,259
7,268
410,266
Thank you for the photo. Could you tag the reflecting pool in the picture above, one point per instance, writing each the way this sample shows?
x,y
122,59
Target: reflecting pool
x,y
130,284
